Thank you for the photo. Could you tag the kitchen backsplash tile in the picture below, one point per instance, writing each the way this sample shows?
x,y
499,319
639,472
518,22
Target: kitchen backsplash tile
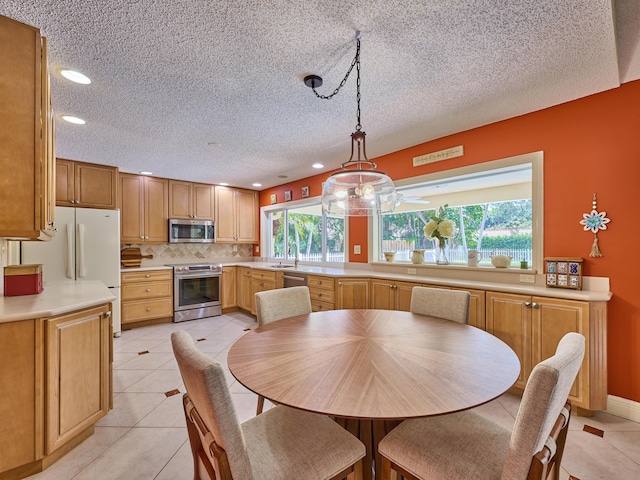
x,y
193,253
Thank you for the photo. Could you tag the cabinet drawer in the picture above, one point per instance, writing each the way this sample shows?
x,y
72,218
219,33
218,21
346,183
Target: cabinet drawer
x,y
137,310
322,295
144,290
325,283
318,306
146,276
263,275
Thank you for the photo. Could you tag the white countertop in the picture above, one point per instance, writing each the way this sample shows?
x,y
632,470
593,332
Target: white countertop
x,y
482,278
56,299
516,288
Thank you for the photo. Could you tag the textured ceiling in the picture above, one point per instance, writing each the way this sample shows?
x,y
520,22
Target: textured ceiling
x,y
212,91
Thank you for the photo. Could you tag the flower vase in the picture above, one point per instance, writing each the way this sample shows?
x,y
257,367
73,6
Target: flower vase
x,y
441,255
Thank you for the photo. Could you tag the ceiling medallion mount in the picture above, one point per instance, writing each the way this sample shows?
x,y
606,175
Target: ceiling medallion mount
x,y
357,189
313,81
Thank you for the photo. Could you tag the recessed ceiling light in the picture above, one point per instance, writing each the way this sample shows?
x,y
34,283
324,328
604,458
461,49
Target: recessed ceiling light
x,y
257,184
75,77
224,184
283,176
146,173
76,120
317,165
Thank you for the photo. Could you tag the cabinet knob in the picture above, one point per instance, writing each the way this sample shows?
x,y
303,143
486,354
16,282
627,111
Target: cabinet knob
x,y
339,284
535,305
107,314
142,237
147,275
527,304
148,289
148,309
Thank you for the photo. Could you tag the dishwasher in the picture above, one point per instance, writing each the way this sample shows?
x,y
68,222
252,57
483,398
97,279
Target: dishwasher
x,y
294,280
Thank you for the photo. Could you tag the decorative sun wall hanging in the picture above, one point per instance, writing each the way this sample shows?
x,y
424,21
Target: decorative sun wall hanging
x,y
595,221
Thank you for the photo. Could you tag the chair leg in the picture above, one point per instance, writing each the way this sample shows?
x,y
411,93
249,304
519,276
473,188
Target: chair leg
x,y
357,470
260,405
387,472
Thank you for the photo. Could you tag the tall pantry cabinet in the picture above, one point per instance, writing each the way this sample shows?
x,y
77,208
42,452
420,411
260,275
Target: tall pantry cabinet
x,y
27,145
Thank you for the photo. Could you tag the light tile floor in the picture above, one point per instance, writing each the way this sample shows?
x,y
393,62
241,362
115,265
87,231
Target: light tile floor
x,y
144,436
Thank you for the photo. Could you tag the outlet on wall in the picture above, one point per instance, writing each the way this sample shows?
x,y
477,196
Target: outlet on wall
x,y
356,249
527,278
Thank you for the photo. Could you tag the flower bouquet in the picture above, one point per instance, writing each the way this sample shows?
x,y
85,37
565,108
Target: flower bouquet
x,y
440,227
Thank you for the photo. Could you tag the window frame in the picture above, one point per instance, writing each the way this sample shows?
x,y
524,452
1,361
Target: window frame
x,y
266,231
536,159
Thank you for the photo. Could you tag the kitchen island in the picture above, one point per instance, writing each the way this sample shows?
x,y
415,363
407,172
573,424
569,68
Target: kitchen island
x,y
55,364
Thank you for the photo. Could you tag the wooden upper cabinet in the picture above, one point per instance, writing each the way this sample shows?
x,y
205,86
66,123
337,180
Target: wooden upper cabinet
x,y
236,215
26,135
143,203
80,184
191,200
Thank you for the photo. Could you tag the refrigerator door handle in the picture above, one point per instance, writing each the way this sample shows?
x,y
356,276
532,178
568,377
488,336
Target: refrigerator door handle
x,y
80,240
70,252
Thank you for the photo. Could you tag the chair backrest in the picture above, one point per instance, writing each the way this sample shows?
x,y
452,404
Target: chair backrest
x,y
542,402
207,388
440,302
272,305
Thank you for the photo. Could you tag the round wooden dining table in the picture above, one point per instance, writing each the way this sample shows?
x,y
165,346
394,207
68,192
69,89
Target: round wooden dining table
x,y
373,368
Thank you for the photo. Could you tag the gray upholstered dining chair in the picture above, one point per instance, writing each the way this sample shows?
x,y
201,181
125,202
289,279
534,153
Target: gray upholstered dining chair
x,y
273,305
440,302
283,443
466,445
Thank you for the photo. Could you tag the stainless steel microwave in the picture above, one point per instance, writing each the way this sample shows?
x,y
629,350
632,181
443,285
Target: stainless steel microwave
x,y
191,231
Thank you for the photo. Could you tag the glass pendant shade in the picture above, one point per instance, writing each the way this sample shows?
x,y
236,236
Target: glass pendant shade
x,y
358,193
354,191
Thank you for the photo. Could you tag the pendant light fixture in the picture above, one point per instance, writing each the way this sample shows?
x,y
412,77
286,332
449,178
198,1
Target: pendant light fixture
x,y
357,189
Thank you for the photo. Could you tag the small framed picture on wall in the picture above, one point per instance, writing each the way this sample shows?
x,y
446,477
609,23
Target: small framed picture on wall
x,y
287,195
305,192
274,199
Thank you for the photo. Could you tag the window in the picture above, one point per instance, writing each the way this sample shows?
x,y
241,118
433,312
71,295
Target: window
x,y
306,231
495,206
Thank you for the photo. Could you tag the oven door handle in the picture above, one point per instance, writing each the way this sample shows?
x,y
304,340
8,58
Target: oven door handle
x,y
197,275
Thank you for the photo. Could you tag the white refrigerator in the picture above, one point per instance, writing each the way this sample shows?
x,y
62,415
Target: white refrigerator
x,y
86,246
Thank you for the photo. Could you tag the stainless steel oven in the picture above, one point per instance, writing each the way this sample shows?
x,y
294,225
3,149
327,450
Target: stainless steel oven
x,y
196,291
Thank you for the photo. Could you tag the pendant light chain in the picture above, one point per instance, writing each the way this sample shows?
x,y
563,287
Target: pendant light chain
x,y
356,61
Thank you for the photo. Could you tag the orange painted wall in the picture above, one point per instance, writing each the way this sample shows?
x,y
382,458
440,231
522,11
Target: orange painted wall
x,y
590,145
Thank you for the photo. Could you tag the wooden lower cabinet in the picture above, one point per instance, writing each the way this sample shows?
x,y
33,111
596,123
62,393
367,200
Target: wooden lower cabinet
x,y
533,326
56,385
392,295
147,295
244,288
509,319
21,383
322,293
352,293
229,296
262,280
78,369
477,308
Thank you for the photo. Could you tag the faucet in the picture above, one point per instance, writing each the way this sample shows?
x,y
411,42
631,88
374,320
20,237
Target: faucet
x,y
295,260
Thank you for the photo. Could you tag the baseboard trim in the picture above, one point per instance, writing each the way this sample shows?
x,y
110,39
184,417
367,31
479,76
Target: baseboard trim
x,y
622,407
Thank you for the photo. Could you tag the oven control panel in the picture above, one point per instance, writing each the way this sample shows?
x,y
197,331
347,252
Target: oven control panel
x,y
182,269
